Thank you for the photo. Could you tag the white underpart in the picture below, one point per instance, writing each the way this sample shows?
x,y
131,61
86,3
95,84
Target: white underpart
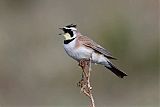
x,y
83,52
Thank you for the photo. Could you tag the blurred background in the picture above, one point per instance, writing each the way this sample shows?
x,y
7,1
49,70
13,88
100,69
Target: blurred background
x,y
35,71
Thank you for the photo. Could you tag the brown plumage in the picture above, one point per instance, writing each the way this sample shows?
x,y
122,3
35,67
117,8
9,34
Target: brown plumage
x,y
84,40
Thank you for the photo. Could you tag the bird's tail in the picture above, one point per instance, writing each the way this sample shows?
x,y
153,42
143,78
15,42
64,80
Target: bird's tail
x,y
115,70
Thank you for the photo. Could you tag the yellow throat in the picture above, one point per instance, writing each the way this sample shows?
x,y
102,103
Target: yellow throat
x,y
67,36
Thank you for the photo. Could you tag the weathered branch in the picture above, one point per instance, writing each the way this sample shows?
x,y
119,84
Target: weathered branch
x,y
85,85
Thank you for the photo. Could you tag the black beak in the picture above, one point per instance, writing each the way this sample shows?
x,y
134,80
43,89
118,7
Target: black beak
x,y
62,30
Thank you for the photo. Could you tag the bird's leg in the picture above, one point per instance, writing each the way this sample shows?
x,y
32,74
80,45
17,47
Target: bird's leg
x,y
83,63
82,81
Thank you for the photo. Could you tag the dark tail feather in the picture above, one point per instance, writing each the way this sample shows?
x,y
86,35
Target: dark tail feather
x,y
116,71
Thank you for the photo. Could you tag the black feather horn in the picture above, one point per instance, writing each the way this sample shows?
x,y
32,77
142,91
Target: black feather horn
x,y
71,25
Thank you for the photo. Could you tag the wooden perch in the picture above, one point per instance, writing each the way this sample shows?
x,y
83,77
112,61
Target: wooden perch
x,y
84,83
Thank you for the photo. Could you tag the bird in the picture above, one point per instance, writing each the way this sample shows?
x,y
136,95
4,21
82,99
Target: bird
x,y
81,47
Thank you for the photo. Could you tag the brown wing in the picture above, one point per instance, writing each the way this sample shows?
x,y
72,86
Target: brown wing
x,y
84,40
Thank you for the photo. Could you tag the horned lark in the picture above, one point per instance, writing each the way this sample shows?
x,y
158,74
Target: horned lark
x,y
80,47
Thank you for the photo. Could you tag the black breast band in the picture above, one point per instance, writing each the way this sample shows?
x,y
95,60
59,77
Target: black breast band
x,y
68,41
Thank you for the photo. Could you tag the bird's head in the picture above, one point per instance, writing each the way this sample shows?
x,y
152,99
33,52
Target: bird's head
x,y
70,31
